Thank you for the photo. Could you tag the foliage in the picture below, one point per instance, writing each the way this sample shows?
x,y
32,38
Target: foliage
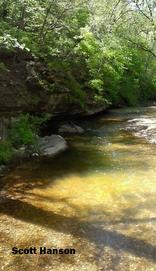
x,y
6,151
111,42
25,131
22,132
102,51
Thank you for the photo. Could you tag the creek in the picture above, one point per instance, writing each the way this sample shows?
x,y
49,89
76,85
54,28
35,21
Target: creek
x,y
98,197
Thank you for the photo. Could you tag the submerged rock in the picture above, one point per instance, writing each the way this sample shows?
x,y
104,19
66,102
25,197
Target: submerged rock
x,y
52,145
70,128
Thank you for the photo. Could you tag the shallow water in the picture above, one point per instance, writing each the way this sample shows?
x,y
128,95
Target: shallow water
x,y
98,197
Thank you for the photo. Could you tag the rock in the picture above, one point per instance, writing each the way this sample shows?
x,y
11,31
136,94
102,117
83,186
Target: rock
x,y
52,145
94,110
70,128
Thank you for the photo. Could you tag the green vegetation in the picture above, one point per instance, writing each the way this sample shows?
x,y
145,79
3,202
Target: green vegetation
x,y
23,133
6,151
104,48
100,50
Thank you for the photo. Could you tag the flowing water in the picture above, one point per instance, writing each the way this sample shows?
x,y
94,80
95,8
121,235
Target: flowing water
x,y
99,197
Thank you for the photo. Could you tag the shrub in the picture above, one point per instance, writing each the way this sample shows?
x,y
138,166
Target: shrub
x,y
6,151
22,132
25,130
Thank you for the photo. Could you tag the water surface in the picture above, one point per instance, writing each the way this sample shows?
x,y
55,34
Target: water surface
x,y
98,197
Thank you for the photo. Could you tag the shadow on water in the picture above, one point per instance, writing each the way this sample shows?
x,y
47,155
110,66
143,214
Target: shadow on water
x,y
80,161
100,236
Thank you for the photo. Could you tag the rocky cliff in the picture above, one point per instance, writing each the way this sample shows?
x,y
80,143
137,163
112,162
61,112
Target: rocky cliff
x,y
27,85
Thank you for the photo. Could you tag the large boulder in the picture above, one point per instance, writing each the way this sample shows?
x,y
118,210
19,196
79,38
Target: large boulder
x,y
70,128
52,145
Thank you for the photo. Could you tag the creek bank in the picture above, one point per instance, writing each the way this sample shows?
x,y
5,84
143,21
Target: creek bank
x,y
28,85
48,146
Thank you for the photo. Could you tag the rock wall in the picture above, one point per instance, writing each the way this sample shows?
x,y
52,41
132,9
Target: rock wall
x,y
22,88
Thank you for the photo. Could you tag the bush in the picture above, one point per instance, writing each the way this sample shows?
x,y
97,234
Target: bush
x,y
26,129
22,132
6,151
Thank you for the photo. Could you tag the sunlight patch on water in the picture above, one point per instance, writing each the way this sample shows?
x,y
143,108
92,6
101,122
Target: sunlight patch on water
x,y
144,126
